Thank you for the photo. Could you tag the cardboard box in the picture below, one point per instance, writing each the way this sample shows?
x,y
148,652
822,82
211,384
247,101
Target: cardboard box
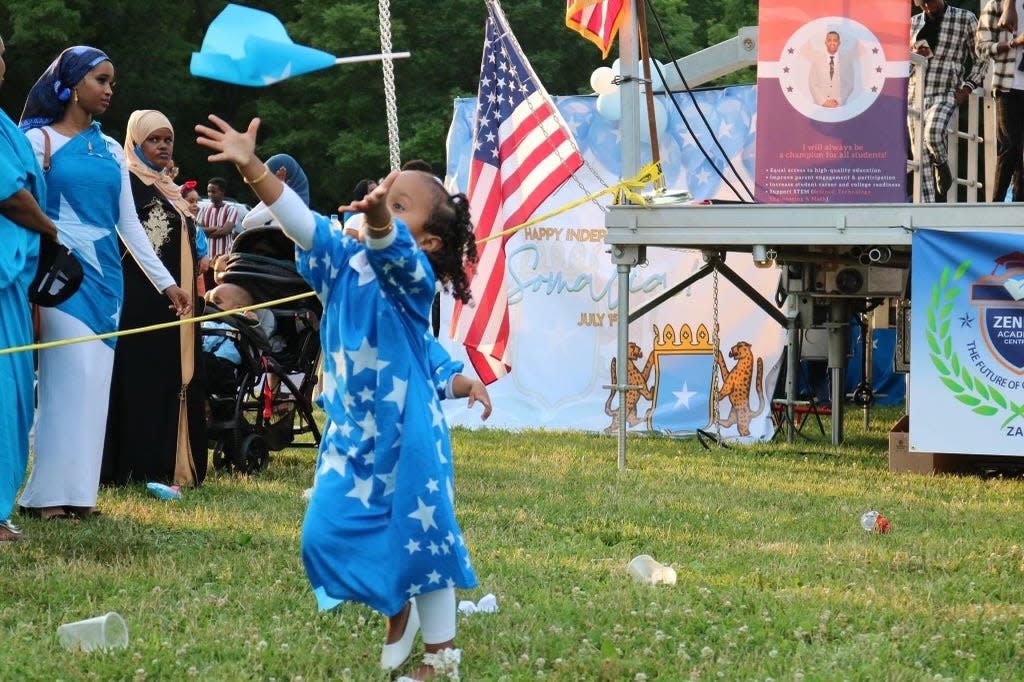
x,y
929,463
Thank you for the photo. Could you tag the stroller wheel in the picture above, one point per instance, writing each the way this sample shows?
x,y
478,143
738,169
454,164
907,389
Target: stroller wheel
x,y
253,455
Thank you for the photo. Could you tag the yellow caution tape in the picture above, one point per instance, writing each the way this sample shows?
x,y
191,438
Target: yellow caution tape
x,y
154,327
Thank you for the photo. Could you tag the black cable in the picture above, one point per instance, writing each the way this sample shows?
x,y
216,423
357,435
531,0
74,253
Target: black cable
x,y
686,86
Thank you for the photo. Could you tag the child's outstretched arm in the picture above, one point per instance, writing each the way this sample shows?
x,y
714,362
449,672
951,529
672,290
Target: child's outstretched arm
x,y
474,389
240,149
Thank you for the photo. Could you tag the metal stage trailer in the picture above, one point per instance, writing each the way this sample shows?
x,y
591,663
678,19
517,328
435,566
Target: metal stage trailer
x,y
833,259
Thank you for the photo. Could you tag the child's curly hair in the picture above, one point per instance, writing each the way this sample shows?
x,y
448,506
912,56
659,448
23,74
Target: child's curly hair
x,y
450,222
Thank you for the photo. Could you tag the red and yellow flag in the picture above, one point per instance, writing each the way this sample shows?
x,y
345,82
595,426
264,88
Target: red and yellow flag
x,y
596,20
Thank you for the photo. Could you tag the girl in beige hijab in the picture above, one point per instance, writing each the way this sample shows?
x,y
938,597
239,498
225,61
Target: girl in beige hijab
x,y
156,427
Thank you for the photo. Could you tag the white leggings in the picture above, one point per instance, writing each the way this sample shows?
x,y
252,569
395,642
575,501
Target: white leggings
x,y
437,615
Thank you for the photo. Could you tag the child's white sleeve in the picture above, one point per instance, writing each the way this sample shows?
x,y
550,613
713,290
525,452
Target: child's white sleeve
x,y
294,217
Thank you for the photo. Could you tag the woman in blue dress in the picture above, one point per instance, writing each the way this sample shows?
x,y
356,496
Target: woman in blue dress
x,y
22,220
380,528
89,198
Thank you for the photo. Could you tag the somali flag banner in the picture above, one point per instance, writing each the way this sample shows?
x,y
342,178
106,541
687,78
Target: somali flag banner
x,y
246,46
967,343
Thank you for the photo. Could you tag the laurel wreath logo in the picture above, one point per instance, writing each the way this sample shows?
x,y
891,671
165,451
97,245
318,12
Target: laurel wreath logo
x,y
983,398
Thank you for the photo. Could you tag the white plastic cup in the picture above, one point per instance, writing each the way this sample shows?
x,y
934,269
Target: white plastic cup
x,y
108,631
645,569
867,521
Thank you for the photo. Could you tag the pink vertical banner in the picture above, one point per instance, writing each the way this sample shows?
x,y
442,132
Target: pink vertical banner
x,y
832,101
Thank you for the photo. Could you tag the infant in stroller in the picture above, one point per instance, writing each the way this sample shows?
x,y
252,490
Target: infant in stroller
x,y
259,366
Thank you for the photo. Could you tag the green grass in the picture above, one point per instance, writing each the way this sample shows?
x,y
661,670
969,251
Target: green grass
x,y
776,578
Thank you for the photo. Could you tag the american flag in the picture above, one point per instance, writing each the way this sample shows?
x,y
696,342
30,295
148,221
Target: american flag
x,y
522,152
596,20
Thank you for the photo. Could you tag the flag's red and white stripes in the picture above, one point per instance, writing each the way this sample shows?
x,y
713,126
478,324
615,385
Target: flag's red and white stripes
x,y
596,20
523,152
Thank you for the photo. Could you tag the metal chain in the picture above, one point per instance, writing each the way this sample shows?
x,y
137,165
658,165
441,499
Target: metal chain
x,y
571,138
388,64
714,362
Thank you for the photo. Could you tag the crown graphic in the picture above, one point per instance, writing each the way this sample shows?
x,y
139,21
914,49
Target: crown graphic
x,y
666,339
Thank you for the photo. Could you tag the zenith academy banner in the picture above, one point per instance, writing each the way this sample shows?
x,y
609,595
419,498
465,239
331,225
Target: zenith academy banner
x,y
563,303
831,101
967,343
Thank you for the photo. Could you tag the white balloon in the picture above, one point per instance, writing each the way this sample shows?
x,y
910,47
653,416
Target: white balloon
x,y
602,80
610,106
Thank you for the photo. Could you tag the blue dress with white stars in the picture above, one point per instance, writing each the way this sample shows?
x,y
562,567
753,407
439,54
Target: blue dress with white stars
x,y
380,527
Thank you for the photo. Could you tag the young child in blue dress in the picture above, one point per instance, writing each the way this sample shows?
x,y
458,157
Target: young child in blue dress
x,y
380,528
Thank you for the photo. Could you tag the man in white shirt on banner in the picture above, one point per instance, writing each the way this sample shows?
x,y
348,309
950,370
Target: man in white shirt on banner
x,y
831,77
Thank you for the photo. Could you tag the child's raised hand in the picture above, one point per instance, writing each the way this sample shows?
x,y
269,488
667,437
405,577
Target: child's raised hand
x,y
230,145
374,204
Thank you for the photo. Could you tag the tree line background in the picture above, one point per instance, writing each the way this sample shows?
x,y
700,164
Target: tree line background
x,y
332,121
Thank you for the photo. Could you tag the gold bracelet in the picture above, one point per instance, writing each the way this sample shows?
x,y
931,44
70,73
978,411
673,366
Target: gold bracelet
x,y
390,225
266,172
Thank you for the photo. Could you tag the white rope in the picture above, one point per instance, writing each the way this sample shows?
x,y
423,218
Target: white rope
x,y
391,104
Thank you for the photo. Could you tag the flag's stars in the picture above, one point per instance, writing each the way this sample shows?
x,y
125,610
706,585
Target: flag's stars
x,y
433,577
414,589
966,320
361,489
366,395
432,485
79,236
434,549
440,453
424,514
345,429
412,546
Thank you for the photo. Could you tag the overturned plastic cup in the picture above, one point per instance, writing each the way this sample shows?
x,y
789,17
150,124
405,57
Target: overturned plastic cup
x,y
868,520
108,631
644,568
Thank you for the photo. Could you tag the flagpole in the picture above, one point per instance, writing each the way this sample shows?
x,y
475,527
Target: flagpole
x,y
371,57
626,257
645,60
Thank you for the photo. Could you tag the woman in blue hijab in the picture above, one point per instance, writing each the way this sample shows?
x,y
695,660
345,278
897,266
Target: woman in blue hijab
x,y
288,171
22,220
89,197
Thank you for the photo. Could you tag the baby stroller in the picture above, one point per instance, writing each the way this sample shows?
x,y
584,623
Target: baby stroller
x,y
264,401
